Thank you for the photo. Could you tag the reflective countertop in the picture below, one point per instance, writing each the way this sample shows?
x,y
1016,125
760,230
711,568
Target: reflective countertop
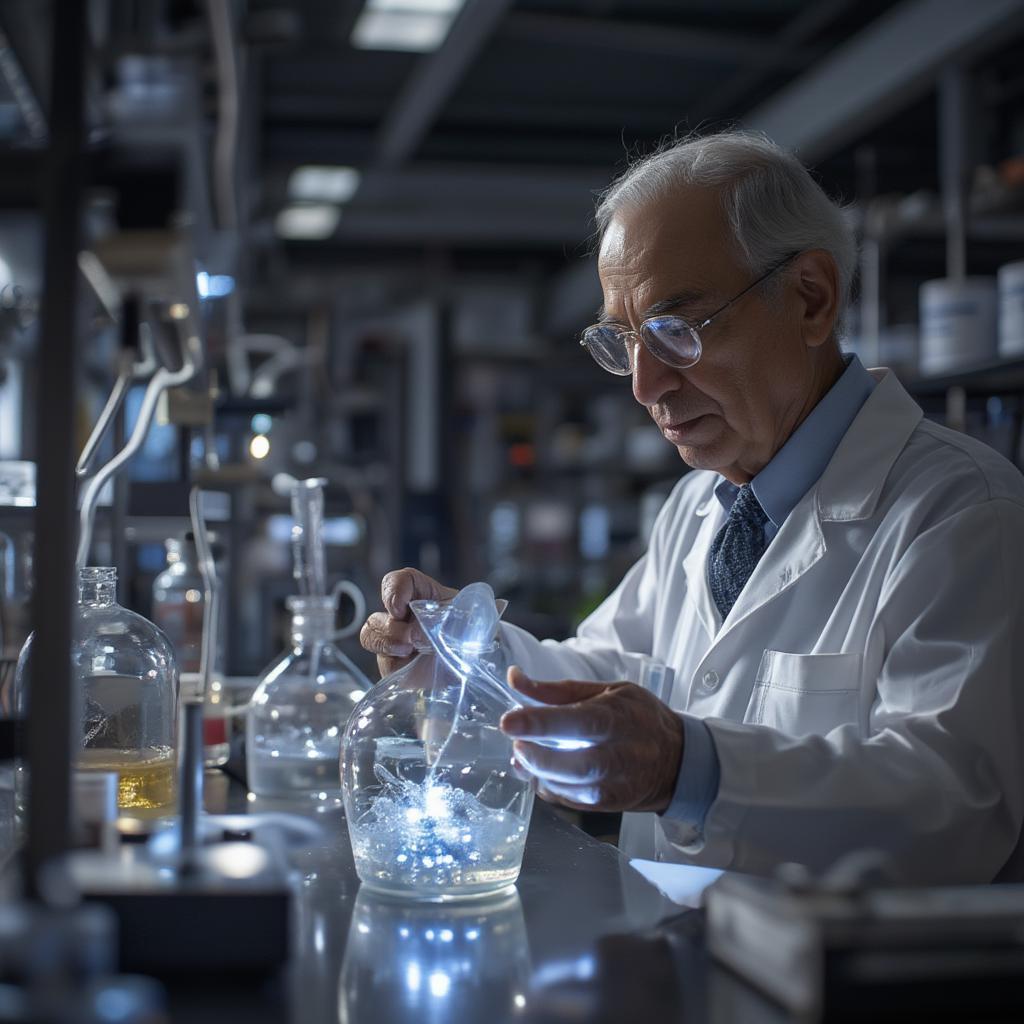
x,y
583,937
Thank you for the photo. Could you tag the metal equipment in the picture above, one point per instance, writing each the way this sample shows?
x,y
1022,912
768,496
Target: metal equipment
x,y
837,949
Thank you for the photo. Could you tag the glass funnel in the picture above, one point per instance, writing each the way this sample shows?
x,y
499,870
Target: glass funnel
x,y
296,717
127,683
435,807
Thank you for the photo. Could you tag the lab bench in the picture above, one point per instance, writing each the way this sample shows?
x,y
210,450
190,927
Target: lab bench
x,y
583,937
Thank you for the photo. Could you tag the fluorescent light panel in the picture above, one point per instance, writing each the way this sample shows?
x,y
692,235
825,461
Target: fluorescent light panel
x,y
449,7
415,26
307,221
318,183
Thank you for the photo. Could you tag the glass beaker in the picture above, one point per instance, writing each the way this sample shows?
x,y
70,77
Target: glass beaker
x,y
298,713
435,808
127,686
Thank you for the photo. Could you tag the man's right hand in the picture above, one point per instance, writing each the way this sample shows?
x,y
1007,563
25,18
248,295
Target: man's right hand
x,y
393,634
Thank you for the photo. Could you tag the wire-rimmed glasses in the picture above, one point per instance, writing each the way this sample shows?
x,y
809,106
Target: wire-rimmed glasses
x,y
671,339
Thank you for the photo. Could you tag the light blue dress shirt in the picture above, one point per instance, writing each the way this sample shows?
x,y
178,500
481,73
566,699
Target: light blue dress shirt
x,y
778,487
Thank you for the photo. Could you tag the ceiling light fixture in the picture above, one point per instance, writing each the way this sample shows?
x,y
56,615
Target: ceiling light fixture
x,y
316,183
449,7
307,221
415,26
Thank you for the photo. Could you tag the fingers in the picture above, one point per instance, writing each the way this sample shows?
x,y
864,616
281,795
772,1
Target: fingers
x,y
398,588
588,721
565,691
575,767
579,798
383,635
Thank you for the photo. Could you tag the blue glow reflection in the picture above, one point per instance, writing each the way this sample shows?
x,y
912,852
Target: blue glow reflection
x,y
450,962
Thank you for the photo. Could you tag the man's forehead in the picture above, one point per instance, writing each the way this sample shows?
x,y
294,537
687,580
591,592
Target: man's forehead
x,y
665,249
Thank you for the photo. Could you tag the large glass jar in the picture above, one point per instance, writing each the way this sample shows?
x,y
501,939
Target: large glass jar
x,y
300,707
127,682
178,602
435,808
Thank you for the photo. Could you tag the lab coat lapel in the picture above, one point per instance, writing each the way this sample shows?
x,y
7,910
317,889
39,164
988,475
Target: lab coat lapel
x,y
694,564
847,491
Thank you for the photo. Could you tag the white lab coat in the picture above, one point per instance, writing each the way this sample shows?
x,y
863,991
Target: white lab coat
x,y
866,689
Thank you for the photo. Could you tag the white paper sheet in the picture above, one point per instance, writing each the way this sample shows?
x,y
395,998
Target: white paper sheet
x,y
682,883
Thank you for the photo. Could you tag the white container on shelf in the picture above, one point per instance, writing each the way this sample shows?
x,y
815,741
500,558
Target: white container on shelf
x,y
1011,309
958,323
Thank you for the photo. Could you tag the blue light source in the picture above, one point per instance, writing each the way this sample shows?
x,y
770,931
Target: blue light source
x,y
214,286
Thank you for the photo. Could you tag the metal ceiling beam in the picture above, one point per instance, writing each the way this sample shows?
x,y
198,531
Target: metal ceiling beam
x,y
536,185
655,40
434,80
888,65
311,109
806,25
497,223
433,183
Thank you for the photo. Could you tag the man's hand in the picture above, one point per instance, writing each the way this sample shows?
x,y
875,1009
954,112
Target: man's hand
x,y
636,744
393,634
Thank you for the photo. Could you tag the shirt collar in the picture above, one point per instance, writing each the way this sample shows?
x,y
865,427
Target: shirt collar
x,y
798,464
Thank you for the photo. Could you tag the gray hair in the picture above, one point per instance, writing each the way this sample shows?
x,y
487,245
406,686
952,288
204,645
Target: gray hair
x,y
772,204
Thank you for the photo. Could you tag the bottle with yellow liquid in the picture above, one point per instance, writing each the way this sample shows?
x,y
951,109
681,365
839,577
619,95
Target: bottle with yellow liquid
x,y
127,686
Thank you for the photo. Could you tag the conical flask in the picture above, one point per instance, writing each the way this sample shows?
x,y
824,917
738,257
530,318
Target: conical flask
x,y
300,707
436,809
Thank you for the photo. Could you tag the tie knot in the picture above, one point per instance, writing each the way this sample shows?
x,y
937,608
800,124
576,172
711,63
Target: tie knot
x,y
747,507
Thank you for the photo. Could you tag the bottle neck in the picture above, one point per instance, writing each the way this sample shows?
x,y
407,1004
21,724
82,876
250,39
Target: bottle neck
x,y
312,620
97,586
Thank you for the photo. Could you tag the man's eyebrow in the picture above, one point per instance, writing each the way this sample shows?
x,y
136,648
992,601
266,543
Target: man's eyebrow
x,y
681,300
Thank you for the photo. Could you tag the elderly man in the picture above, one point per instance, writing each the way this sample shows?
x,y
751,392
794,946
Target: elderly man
x,y
837,588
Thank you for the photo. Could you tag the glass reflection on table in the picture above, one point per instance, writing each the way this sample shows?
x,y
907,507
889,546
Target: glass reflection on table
x,y
426,961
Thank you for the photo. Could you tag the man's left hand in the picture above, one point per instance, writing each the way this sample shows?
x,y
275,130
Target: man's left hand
x,y
634,752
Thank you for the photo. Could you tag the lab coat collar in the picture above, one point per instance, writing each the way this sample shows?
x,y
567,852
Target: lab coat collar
x,y
848,490
850,487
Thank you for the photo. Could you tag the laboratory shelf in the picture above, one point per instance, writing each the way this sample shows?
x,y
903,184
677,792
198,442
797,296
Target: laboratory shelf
x,y
994,377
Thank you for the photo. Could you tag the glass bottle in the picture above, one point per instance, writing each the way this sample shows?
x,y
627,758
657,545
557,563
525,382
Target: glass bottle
x,y
300,707
178,602
179,607
435,808
127,684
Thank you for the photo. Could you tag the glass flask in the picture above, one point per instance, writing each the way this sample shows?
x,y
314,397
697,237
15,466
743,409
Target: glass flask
x,y
435,808
299,710
127,685
418,961
178,602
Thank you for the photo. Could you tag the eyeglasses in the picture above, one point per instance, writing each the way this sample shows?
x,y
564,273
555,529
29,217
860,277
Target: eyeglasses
x,y
673,340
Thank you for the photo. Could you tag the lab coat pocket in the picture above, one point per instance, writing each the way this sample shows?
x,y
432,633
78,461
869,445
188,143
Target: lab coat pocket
x,y
802,694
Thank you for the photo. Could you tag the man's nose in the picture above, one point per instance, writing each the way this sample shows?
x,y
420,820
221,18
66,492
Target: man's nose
x,y
652,379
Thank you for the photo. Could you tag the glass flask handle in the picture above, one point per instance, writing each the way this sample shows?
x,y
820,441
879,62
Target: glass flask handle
x,y
358,611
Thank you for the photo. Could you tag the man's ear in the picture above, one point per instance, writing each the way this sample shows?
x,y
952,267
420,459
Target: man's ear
x,y
817,287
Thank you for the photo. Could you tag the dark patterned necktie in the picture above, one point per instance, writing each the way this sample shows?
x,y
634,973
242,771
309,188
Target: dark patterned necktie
x,y
736,550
